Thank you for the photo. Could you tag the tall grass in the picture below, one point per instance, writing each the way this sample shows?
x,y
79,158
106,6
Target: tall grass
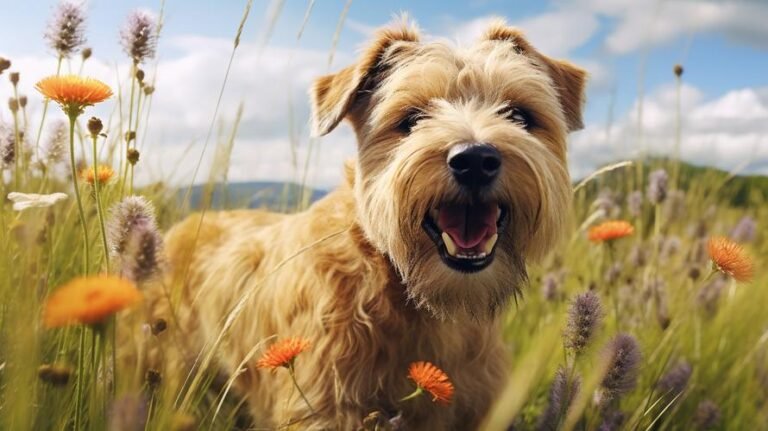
x,y
653,285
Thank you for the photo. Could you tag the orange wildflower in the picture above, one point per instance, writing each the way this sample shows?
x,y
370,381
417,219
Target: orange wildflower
x,y
730,258
433,380
283,353
89,300
102,174
73,92
610,230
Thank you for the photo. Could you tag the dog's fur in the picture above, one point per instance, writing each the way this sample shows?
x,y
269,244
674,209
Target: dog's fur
x,y
355,273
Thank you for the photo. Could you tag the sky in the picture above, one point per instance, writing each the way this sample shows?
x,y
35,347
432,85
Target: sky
x,y
628,46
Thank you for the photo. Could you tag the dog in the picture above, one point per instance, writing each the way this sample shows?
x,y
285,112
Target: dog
x,y
460,181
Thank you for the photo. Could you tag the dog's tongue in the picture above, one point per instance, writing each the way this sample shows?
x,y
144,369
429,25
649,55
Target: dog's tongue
x,y
468,225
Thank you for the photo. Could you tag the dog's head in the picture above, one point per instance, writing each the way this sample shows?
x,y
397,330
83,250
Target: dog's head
x,y
461,174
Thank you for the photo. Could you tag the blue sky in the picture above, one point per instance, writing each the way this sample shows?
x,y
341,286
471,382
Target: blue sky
x,y
625,44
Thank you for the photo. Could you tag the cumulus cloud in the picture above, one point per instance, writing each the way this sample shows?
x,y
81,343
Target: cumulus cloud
x,y
271,82
729,132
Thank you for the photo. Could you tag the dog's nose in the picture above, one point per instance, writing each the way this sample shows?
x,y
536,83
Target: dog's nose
x,y
475,164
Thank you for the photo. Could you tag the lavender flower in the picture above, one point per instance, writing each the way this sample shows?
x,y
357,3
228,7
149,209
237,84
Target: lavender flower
x,y
745,230
707,415
638,256
613,273
66,30
674,207
135,244
606,201
56,145
139,36
624,355
612,421
584,317
670,246
709,295
561,396
128,413
676,379
657,186
635,203
7,146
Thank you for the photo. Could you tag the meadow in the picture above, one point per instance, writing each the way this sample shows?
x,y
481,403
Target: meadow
x,y
653,322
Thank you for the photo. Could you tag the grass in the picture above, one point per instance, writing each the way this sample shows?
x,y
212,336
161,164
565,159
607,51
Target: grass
x,y
653,286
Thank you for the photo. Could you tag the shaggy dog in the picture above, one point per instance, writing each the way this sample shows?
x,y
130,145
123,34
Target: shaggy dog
x,y
460,179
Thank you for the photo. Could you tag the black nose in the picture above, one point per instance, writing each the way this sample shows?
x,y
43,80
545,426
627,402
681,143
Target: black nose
x,y
474,165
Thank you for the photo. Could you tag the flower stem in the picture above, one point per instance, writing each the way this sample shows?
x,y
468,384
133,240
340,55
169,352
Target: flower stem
x,y
295,383
80,378
86,263
45,111
99,210
415,394
134,66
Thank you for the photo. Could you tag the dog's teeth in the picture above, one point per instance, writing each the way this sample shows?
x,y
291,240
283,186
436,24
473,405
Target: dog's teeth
x,y
490,243
449,245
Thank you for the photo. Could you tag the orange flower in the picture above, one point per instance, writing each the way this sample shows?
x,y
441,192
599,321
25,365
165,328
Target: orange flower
x,y
89,300
730,258
283,353
433,380
73,92
610,230
102,174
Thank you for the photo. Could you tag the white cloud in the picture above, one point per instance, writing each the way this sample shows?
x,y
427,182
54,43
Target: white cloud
x,y
271,83
729,132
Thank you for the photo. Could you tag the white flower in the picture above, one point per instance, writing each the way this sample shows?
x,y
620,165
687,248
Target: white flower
x,y
22,201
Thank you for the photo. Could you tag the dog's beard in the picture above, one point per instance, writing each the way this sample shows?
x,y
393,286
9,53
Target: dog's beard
x,y
448,294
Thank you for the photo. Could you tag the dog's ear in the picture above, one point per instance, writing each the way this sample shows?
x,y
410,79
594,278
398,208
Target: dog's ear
x,y
570,80
333,96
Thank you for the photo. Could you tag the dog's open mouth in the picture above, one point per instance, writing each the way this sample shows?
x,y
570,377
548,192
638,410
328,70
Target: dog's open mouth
x,y
466,234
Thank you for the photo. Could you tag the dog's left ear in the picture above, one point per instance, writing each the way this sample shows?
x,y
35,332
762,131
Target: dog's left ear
x,y
570,80
334,96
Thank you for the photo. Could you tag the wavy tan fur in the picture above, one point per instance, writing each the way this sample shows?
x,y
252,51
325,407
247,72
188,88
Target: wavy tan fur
x,y
355,273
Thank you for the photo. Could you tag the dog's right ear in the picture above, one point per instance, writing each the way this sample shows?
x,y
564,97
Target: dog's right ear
x,y
333,96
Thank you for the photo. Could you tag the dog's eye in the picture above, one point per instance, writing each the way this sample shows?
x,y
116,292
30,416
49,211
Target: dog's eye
x,y
517,116
409,121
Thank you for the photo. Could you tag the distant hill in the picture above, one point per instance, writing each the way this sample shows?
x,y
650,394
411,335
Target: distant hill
x,y
737,190
277,196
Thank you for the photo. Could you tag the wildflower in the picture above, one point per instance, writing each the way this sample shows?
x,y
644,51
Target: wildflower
x,y
613,273
635,203
606,201
148,90
584,317
66,32
283,353
102,174
657,186
678,70
624,355
638,256
745,230
709,295
56,144
23,101
431,379
22,201
134,241
612,420
128,413
610,230
7,145
13,105
551,283
4,64
676,379
56,375
95,126
73,92
561,396
133,156
86,53
139,36
730,258
89,300
674,205
707,415
14,78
